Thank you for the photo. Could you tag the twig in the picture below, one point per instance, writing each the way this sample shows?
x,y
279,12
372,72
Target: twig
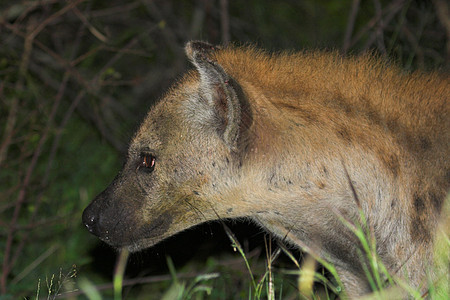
x,y
169,34
28,45
91,28
35,263
389,11
115,58
224,21
9,127
443,13
32,5
379,28
85,55
119,9
350,26
64,63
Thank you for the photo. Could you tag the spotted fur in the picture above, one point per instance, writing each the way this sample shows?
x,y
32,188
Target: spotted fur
x,y
296,142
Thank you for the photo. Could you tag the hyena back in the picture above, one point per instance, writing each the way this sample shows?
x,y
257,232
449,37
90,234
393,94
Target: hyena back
x,y
297,143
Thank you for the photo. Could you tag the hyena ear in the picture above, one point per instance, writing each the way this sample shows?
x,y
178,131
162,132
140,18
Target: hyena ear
x,y
222,94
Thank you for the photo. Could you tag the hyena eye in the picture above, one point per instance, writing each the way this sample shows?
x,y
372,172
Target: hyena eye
x,y
147,162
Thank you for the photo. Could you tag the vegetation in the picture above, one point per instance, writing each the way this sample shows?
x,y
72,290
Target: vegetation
x,y
77,76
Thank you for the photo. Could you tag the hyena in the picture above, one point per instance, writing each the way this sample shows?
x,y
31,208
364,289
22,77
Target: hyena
x,y
303,144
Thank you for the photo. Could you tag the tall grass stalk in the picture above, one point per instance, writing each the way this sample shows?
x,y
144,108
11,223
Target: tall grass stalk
x,y
38,289
306,278
265,279
237,246
89,289
180,290
119,272
270,256
335,287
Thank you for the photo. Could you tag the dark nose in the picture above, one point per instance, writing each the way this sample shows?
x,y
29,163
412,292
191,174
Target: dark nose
x,y
91,220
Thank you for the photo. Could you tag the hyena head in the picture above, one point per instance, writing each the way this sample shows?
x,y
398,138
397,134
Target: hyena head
x,y
180,161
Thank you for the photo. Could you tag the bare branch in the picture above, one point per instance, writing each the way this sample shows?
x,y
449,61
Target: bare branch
x,y
350,25
225,21
443,12
380,27
91,28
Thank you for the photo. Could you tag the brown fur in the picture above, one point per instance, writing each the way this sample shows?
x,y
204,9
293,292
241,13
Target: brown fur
x,y
297,143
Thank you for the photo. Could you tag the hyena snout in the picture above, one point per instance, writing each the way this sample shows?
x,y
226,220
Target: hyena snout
x,y
93,220
101,217
113,220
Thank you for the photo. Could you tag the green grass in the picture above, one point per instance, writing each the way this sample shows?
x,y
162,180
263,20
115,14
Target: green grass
x,y
259,278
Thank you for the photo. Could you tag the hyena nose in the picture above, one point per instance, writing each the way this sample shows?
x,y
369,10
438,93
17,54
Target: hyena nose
x,y
91,221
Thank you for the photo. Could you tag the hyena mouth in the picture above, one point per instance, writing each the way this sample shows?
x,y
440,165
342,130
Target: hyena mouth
x,y
139,238
157,228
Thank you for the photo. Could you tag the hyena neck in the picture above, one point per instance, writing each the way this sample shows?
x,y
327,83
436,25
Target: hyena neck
x,y
301,160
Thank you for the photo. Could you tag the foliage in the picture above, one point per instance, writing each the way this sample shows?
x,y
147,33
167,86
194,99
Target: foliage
x,y
76,76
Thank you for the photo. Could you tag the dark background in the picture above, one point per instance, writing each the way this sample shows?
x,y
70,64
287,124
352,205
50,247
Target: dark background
x,y
76,78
